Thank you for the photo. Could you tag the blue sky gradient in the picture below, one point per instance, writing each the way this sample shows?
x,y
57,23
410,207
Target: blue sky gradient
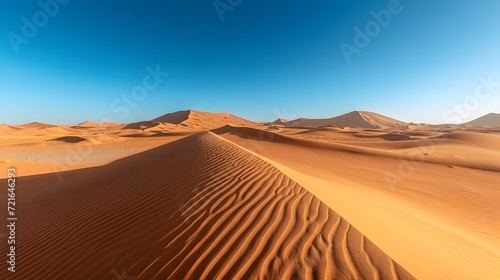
x,y
263,60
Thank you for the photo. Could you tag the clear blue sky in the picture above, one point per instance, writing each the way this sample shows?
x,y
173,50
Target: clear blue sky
x,y
259,59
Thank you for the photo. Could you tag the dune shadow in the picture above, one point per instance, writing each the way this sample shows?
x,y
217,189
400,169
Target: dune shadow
x,y
69,139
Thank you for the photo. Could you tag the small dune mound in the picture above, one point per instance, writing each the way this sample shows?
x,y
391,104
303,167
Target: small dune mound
x,y
88,124
280,121
70,139
109,124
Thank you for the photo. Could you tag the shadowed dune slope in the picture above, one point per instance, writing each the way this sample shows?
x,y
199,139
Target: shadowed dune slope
x,y
197,208
69,139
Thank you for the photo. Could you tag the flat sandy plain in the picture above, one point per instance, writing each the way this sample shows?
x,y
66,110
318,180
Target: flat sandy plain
x,y
195,195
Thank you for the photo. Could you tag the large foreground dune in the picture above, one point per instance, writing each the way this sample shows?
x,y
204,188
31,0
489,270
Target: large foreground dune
x,y
197,208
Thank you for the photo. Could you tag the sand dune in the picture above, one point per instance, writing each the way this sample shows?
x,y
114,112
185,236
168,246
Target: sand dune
x,y
492,120
89,124
5,127
36,125
109,124
211,211
360,119
197,120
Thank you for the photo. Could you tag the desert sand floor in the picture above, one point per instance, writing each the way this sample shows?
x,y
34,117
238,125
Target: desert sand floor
x,y
164,201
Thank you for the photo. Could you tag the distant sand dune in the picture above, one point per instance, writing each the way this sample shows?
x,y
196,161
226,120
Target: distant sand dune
x,y
360,119
36,125
492,120
203,120
197,208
